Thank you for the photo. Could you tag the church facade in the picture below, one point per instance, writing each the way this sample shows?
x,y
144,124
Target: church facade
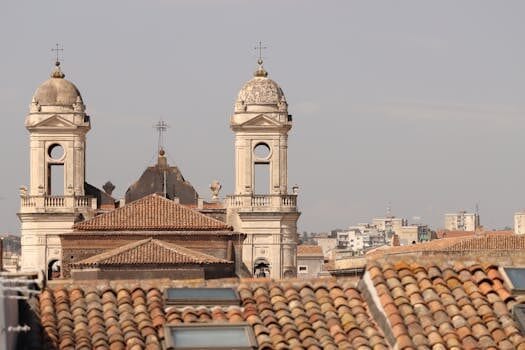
x,y
58,198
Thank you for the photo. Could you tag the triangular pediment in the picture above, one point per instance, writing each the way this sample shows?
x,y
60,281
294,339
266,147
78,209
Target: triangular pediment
x,y
261,120
55,121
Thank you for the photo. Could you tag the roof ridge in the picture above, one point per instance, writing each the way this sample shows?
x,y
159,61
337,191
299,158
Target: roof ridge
x,y
152,212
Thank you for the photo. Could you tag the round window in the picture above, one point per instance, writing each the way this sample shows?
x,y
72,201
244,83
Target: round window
x,y
261,151
55,151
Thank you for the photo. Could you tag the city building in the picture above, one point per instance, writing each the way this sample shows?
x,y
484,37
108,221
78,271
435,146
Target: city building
x,y
310,261
411,234
58,194
262,206
327,244
519,223
351,240
462,221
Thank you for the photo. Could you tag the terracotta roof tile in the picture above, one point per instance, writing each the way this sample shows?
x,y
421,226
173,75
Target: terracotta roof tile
x,y
153,213
487,242
449,307
283,315
149,251
309,250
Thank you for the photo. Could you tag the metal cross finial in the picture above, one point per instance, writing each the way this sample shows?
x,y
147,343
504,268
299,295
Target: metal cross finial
x,y
161,127
260,48
57,50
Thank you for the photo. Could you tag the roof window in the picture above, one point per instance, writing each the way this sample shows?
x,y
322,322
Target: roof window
x,y
515,276
202,296
210,336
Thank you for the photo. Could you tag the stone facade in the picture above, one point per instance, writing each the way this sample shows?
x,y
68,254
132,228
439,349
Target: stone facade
x,y
57,125
267,213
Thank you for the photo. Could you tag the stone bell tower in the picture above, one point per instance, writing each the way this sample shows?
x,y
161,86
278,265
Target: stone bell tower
x,y
261,206
55,199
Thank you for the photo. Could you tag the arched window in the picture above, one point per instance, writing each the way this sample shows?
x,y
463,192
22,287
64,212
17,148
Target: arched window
x,y
261,268
54,269
55,170
261,183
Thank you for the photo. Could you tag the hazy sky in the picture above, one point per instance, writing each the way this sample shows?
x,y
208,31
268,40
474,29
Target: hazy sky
x,y
416,103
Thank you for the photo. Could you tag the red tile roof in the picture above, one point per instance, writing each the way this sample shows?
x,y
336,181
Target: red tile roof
x,y
149,251
487,242
309,250
154,213
325,314
445,307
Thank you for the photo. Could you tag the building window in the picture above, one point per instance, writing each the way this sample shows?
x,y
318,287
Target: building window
x,y
515,277
209,336
201,296
303,269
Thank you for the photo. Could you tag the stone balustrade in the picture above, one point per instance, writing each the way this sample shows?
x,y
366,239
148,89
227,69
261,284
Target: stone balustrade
x,y
268,201
30,203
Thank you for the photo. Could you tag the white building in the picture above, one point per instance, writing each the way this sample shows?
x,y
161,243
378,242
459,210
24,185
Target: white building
x,y
519,223
389,223
261,206
56,196
462,221
351,240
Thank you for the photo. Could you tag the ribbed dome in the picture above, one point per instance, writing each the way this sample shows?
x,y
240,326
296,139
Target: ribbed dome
x,y
57,91
261,90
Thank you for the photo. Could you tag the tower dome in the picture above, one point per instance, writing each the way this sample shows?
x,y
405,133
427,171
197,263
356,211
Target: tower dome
x,y
57,91
260,92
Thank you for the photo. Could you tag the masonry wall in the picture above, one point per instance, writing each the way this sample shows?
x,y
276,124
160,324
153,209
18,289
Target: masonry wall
x,y
77,247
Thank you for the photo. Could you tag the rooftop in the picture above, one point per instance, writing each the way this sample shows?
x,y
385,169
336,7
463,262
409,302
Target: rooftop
x,y
154,213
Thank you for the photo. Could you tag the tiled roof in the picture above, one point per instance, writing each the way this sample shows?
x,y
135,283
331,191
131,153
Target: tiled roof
x,y
487,242
149,251
152,212
446,307
490,242
326,314
458,233
309,250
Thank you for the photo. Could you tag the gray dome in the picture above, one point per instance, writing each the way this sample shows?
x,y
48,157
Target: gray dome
x,y
260,90
57,91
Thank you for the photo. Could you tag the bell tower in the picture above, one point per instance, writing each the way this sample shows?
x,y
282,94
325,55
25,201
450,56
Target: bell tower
x,y
55,199
261,206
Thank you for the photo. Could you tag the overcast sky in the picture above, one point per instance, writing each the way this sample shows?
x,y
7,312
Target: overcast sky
x,y
416,103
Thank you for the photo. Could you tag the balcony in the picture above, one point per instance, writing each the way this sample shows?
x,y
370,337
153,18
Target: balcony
x,y
32,204
268,202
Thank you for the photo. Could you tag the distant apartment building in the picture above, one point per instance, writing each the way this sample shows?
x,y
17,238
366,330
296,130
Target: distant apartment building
x,y
328,245
462,221
519,223
351,240
411,234
389,224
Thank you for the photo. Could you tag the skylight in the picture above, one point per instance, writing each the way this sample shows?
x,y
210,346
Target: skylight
x,y
210,336
201,296
516,276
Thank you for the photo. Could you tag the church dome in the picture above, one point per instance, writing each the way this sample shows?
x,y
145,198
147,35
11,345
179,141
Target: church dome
x,y
261,90
57,91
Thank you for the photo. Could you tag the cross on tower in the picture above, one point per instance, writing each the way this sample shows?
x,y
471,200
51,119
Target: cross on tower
x,y
161,127
57,50
260,48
